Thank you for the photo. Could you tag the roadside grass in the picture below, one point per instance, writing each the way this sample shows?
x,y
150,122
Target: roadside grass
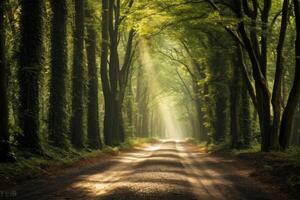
x,y
30,166
278,167
225,147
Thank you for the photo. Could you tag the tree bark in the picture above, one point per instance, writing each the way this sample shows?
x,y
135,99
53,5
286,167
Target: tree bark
x,y
264,36
115,124
59,64
104,71
221,118
113,78
245,123
276,95
219,90
130,109
200,135
145,118
77,129
296,127
293,99
138,99
30,65
4,130
93,126
259,74
235,97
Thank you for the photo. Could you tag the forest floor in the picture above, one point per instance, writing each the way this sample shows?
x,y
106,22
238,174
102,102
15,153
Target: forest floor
x,y
280,169
167,170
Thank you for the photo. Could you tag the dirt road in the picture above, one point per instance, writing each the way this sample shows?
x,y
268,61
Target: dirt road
x,y
170,170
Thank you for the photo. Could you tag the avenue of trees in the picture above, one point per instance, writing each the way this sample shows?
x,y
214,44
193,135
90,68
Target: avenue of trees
x,y
84,74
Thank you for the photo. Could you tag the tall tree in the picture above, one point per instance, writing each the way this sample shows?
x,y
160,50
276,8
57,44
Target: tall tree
x,y
4,130
104,77
235,97
277,89
294,96
220,120
245,122
93,132
77,128
219,91
138,100
258,58
258,55
30,65
115,78
59,60
115,127
197,73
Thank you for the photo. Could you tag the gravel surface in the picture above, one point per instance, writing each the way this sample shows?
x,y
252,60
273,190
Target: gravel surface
x,y
170,170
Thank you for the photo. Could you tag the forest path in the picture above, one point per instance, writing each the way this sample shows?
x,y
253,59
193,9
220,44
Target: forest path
x,y
170,170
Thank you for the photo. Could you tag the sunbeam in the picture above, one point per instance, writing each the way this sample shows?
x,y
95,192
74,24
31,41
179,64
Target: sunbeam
x,y
166,111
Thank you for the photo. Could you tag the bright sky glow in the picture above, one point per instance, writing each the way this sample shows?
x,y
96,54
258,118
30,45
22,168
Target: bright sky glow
x,y
166,110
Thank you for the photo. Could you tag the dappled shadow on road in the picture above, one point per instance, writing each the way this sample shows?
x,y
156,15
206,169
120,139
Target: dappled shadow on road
x,y
162,176
52,187
227,178
230,181
150,173
163,172
44,188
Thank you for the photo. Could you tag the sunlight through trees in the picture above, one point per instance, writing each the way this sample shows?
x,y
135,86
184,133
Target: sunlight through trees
x,y
86,74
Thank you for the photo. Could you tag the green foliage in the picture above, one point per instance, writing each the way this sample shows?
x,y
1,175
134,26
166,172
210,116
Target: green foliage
x,y
191,55
30,165
225,147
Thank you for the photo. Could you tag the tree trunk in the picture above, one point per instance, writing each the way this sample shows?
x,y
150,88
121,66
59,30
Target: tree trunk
x,y
104,73
247,91
221,118
260,99
245,117
124,74
13,90
259,75
220,92
121,123
4,131
113,86
30,65
93,129
77,129
262,93
192,121
235,91
113,27
289,111
200,130
129,109
296,127
264,36
143,112
138,99
59,64
276,97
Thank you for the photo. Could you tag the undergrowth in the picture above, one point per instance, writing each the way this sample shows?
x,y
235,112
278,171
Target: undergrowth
x,y
283,166
225,147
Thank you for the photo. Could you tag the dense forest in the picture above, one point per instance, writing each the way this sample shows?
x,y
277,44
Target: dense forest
x,y
87,74
150,99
